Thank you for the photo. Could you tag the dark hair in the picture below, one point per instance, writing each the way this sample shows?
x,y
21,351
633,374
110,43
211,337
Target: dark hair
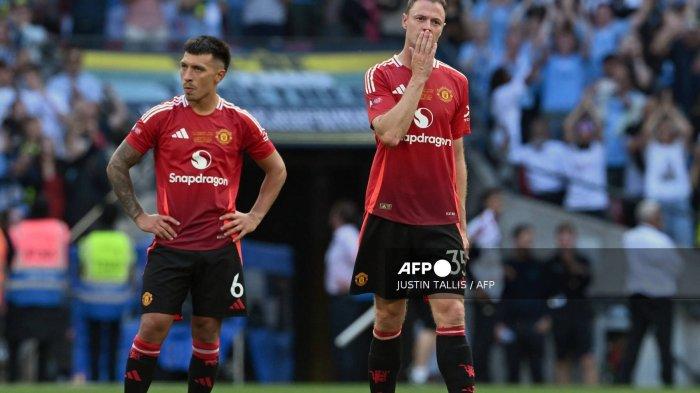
x,y
410,3
206,44
499,77
566,226
519,229
611,58
346,210
537,12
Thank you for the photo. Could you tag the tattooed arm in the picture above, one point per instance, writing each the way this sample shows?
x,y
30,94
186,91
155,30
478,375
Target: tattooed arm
x,y
118,173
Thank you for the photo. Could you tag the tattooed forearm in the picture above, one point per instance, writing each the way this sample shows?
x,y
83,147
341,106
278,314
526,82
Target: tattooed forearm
x,y
118,173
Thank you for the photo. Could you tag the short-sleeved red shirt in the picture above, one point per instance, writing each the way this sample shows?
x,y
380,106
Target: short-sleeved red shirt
x,y
415,182
198,162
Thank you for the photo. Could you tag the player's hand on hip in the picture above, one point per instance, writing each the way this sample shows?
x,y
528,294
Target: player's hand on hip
x,y
157,224
423,55
238,223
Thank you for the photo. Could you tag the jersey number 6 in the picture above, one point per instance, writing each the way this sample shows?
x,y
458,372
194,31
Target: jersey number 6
x,y
236,287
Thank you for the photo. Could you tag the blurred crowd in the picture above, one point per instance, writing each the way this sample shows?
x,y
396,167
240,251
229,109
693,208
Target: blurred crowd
x,y
589,104
162,24
592,104
55,125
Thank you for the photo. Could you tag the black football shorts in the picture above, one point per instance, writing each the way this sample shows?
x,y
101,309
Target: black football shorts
x,y
214,278
398,261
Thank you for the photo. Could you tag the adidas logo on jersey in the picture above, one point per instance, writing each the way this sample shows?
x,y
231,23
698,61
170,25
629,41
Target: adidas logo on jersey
x,y
400,90
180,134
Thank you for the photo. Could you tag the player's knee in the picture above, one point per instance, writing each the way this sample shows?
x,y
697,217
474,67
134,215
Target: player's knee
x,y
390,318
205,329
448,312
154,329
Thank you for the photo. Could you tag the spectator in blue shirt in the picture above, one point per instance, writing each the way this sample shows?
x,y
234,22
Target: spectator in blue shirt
x,y
498,14
73,82
563,80
605,33
476,59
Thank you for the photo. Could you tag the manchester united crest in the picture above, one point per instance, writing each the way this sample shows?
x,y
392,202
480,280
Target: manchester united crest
x,y
146,299
445,94
224,136
361,279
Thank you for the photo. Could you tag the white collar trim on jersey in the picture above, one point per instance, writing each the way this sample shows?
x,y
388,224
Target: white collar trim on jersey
x,y
436,63
219,104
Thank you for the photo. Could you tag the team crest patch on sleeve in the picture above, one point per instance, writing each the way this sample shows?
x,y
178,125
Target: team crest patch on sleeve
x,y
224,136
361,279
445,94
146,299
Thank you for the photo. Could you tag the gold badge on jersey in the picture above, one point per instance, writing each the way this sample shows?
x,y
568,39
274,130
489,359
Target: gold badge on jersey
x,y
361,279
146,299
224,136
202,136
445,94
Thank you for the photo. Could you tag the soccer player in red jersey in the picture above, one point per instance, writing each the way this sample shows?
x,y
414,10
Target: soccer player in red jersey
x,y
198,140
418,108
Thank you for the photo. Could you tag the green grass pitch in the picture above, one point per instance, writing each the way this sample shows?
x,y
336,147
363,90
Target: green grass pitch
x,y
318,388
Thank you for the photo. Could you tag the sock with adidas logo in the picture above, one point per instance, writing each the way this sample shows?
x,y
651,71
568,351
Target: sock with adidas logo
x,y
203,366
140,366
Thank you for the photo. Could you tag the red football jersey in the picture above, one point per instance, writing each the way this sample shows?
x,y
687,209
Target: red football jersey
x,y
414,182
198,162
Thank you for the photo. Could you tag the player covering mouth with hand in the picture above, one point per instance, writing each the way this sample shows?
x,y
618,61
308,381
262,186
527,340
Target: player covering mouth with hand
x,y
416,194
